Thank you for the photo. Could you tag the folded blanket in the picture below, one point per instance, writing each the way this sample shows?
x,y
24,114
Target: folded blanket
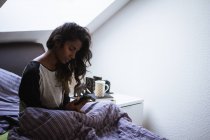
x,y
100,121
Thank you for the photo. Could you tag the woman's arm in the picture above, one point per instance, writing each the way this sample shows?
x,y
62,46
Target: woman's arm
x,y
29,91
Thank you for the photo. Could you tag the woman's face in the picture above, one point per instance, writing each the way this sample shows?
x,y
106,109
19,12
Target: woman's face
x,y
68,52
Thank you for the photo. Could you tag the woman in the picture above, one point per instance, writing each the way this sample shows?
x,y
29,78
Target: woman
x,y
45,80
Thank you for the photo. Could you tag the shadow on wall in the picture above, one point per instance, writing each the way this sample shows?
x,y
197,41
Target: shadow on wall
x,y
147,121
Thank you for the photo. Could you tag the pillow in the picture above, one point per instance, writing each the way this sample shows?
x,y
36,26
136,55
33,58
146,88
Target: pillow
x,y
9,82
9,86
9,99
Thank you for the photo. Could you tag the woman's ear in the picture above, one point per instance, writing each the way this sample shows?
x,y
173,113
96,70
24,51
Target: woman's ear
x,y
57,45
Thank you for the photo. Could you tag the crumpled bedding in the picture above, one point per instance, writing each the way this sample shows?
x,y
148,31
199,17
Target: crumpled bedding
x,y
100,121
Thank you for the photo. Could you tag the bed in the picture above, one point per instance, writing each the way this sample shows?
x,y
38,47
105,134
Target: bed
x,y
100,120
13,58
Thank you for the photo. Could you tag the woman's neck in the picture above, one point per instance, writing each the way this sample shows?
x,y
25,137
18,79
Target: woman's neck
x,y
48,60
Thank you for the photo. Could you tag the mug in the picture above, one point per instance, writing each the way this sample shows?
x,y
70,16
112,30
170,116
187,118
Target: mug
x,y
100,88
97,78
109,84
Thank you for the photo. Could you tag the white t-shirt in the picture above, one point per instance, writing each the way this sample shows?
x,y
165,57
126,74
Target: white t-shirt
x,y
51,94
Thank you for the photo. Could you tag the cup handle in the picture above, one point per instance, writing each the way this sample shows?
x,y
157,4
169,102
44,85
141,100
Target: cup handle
x,y
106,88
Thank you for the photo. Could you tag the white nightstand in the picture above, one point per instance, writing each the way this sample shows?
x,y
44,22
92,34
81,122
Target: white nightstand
x,y
131,105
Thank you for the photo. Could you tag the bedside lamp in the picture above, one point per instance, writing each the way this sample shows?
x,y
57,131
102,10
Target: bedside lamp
x,y
2,2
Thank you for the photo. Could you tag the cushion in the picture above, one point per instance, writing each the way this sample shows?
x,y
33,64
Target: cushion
x,y
9,84
9,99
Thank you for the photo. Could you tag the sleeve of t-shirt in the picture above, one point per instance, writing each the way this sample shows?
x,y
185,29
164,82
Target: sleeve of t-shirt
x,y
29,91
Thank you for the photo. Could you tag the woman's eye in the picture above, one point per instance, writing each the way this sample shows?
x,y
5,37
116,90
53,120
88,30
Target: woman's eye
x,y
71,49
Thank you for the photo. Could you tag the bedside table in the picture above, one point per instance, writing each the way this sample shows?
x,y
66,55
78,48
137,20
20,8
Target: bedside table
x,y
131,105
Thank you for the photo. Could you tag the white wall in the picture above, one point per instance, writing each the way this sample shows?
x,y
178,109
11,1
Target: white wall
x,y
160,50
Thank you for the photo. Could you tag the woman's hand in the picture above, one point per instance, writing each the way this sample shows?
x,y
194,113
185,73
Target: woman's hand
x,y
76,106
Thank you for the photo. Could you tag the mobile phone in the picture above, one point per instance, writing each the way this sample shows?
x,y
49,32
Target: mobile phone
x,y
84,98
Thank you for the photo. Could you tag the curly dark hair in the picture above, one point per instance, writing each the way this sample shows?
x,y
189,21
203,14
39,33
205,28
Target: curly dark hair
x,y
77,67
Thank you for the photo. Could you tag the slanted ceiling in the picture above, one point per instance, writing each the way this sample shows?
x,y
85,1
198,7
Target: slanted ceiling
x,y
31,20
32,15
